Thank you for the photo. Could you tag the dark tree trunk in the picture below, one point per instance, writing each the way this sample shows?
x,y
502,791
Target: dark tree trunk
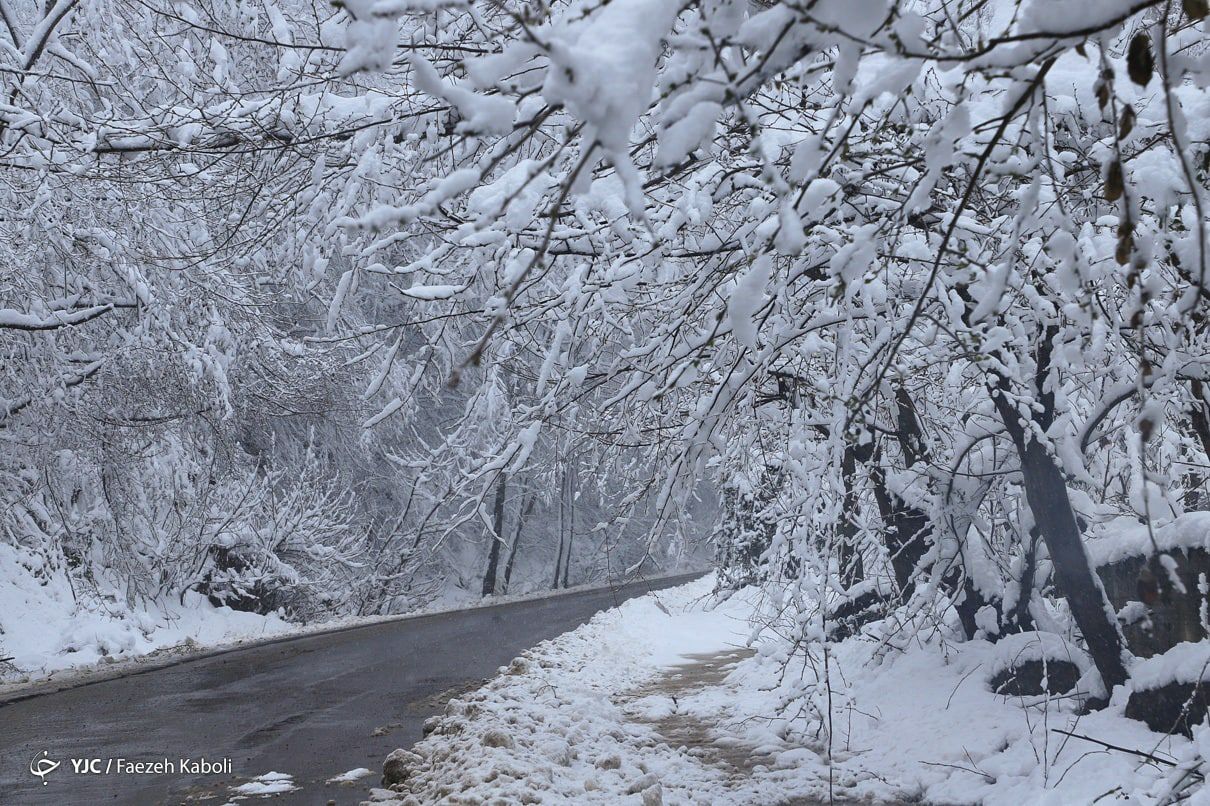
x,y
1020,619
909,534
562,528
1201,415
909,530
904,533
1046,493
849,555
493,557
526,509
571,524
1196,497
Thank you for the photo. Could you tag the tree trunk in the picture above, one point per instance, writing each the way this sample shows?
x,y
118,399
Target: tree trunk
x,y
526,508
571,524
1201,415
1196,497
1020,619
1046,493
493,557
908,529
849,554
562,521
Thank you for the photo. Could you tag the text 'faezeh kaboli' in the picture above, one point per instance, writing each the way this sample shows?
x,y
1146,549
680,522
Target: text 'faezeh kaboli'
x,y
163,766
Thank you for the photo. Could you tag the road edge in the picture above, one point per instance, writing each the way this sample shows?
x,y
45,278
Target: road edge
x,y
90,675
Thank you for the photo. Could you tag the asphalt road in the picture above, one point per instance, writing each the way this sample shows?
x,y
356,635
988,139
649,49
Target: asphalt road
x,y
313,707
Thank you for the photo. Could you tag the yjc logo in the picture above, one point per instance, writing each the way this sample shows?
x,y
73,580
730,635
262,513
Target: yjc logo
x,y
43,766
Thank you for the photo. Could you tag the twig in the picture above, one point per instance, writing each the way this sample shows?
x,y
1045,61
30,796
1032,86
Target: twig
x,y
972,770
960,682
1140,753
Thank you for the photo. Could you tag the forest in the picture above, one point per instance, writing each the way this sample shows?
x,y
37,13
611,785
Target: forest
x,y
894,311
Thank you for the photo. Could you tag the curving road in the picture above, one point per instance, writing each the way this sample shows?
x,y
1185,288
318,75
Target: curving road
x,y
312,707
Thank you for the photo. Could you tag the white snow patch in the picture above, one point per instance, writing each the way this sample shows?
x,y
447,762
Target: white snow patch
x,y
1125,537
271,783
351,776
1013,650
1185,663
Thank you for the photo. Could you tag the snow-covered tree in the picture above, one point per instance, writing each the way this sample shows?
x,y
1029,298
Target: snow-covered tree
x,y
916,289
924,274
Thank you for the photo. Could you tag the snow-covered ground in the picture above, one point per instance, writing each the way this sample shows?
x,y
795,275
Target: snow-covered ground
x,y
48,627
661,701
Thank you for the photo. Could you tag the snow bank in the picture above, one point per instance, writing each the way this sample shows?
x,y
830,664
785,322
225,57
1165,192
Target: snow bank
x,y
1187,662
352,776
549,727
48,626
1013,650
271,783
922,724
1125,537
577,720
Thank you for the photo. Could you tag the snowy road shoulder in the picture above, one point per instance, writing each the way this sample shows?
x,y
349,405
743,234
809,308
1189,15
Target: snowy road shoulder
x,y
555,727
660,701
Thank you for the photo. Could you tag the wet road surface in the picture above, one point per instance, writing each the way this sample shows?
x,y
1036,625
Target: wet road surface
x,y
312,707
